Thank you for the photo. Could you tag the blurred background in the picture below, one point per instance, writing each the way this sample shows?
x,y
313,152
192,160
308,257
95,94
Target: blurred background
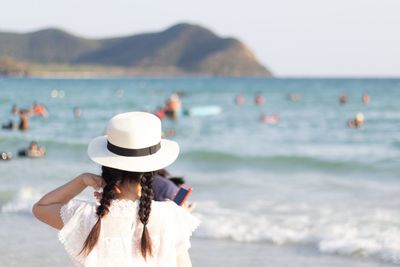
x,y
287,115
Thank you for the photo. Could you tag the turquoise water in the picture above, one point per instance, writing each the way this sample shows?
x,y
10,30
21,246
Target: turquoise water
x,y
309,187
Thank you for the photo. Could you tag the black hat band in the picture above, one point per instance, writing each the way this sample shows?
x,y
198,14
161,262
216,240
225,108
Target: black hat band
x,y
129,152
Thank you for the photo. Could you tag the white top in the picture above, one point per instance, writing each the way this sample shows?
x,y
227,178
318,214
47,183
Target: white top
x,y
169,226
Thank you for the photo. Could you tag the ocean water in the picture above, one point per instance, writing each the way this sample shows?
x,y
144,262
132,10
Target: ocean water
x,y
308,191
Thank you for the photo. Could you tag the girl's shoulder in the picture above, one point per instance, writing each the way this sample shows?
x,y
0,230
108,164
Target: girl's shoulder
x,y
175,222
170,212
165,208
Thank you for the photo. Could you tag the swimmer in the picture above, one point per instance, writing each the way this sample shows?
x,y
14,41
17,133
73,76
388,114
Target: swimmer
x,y
23,123
33,151
343,100
39,110
77,112
160,112
259,100
357,122
173,106
359,119
366,98
170,132
351,123
11,125
269,119
14,109
240,100
294,97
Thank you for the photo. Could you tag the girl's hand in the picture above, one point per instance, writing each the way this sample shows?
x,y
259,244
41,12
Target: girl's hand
x,y
98,195
93,180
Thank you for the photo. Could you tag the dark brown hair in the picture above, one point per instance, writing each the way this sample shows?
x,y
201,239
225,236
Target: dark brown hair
x,y
114,177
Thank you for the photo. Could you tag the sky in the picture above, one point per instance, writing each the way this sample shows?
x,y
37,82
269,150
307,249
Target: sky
x,y
293,38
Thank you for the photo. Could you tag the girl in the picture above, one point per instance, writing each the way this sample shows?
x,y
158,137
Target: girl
x,y
127,228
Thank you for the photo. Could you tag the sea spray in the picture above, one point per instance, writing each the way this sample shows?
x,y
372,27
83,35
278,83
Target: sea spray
x,y
22,201
365,234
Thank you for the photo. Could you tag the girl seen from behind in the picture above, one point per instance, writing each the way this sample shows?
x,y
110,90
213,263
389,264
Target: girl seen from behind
x,y
128,228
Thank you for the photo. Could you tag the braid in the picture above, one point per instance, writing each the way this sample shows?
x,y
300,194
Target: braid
x,y
146,182
113,177
109,193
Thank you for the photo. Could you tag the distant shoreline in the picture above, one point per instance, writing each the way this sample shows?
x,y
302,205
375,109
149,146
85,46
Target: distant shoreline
x,y
86,72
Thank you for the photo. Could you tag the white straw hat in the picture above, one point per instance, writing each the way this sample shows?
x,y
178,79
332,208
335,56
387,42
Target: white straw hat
x,y
133,143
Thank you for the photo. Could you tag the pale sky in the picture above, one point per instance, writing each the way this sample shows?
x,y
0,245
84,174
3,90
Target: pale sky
x,y
291,37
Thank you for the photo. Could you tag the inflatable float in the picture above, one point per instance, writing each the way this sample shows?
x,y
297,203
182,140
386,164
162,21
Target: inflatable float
x,y
202,111
6,155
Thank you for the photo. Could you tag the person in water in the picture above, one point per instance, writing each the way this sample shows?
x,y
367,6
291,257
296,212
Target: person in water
x,y
23,120
259,100
15,109
240,100
366,98
173,106
11,125
77,112
294,97
33,151
343,100
160,112
269,119
127,228
39,110
357,122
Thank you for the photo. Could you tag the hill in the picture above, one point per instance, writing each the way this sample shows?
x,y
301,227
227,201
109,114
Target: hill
x,y
181,49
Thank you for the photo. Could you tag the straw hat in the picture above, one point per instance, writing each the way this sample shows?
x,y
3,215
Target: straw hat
x,y
133,143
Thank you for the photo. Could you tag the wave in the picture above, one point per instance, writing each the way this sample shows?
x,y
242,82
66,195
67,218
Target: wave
x,y
328,231
280,161
59,141
22,202
374,233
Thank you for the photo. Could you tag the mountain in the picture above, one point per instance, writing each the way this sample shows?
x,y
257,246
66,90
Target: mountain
x,y
180,49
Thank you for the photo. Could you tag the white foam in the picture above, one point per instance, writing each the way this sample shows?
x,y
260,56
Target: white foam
x,y
23,200
338,231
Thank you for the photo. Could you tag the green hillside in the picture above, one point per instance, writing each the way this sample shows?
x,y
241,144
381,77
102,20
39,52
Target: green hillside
x,y
183,48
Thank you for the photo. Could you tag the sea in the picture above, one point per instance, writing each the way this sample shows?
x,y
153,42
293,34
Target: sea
x,y
305,191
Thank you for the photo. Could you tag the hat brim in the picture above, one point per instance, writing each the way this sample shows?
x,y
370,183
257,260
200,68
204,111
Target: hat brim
x,y
166,155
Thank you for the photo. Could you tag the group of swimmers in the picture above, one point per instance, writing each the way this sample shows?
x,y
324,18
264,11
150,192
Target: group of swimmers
x,y
32,151
23,124
171,109
259,100
36,109
365,98
272,119
358,120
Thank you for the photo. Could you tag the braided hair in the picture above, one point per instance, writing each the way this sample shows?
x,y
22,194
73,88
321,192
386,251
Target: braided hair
x,y
146,182
112,178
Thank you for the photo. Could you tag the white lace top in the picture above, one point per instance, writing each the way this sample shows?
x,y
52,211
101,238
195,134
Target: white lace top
x,y
170,227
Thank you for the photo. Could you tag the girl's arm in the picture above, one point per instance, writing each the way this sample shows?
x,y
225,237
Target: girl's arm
x,y
47,209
